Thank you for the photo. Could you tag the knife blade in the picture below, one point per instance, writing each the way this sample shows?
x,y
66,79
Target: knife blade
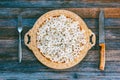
x,y
102,40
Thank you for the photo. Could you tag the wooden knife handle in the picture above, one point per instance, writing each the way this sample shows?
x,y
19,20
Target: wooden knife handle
x,y
102,56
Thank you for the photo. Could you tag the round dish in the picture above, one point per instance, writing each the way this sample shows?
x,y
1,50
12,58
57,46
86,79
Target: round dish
x,y
32,43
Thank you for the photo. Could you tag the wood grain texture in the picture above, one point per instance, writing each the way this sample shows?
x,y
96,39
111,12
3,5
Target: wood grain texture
x,y
102,56
35,66
29,22
30,68
36,12
9,50
113,34
59,4
59,76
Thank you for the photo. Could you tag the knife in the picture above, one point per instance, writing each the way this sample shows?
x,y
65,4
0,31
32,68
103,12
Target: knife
x,y
102,40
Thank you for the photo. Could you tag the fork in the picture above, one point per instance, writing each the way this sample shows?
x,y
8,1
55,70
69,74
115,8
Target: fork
x,y
20,28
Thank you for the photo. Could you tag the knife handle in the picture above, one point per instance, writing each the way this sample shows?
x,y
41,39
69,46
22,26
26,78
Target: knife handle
x,y
102,56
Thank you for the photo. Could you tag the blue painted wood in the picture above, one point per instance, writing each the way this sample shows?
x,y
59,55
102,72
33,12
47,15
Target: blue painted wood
x,y
91,22
59,4
36,12
60,76
31,68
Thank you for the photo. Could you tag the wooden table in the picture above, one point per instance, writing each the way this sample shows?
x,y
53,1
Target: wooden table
x,y
31,68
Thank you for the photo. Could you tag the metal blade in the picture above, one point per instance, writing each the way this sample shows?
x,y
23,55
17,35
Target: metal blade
x,y
101,27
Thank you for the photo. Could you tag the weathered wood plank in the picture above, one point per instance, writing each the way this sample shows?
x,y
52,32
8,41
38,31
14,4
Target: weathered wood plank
x,y
111,55
30,68
11,33
60,76
35,66
110,44
111,34
103,1
112,22
29,22
12,23
94,12
11,53
89,1
36,12
82,3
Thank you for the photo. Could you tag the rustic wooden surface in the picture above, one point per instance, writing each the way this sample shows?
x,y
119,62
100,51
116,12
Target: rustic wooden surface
x,y
30,68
